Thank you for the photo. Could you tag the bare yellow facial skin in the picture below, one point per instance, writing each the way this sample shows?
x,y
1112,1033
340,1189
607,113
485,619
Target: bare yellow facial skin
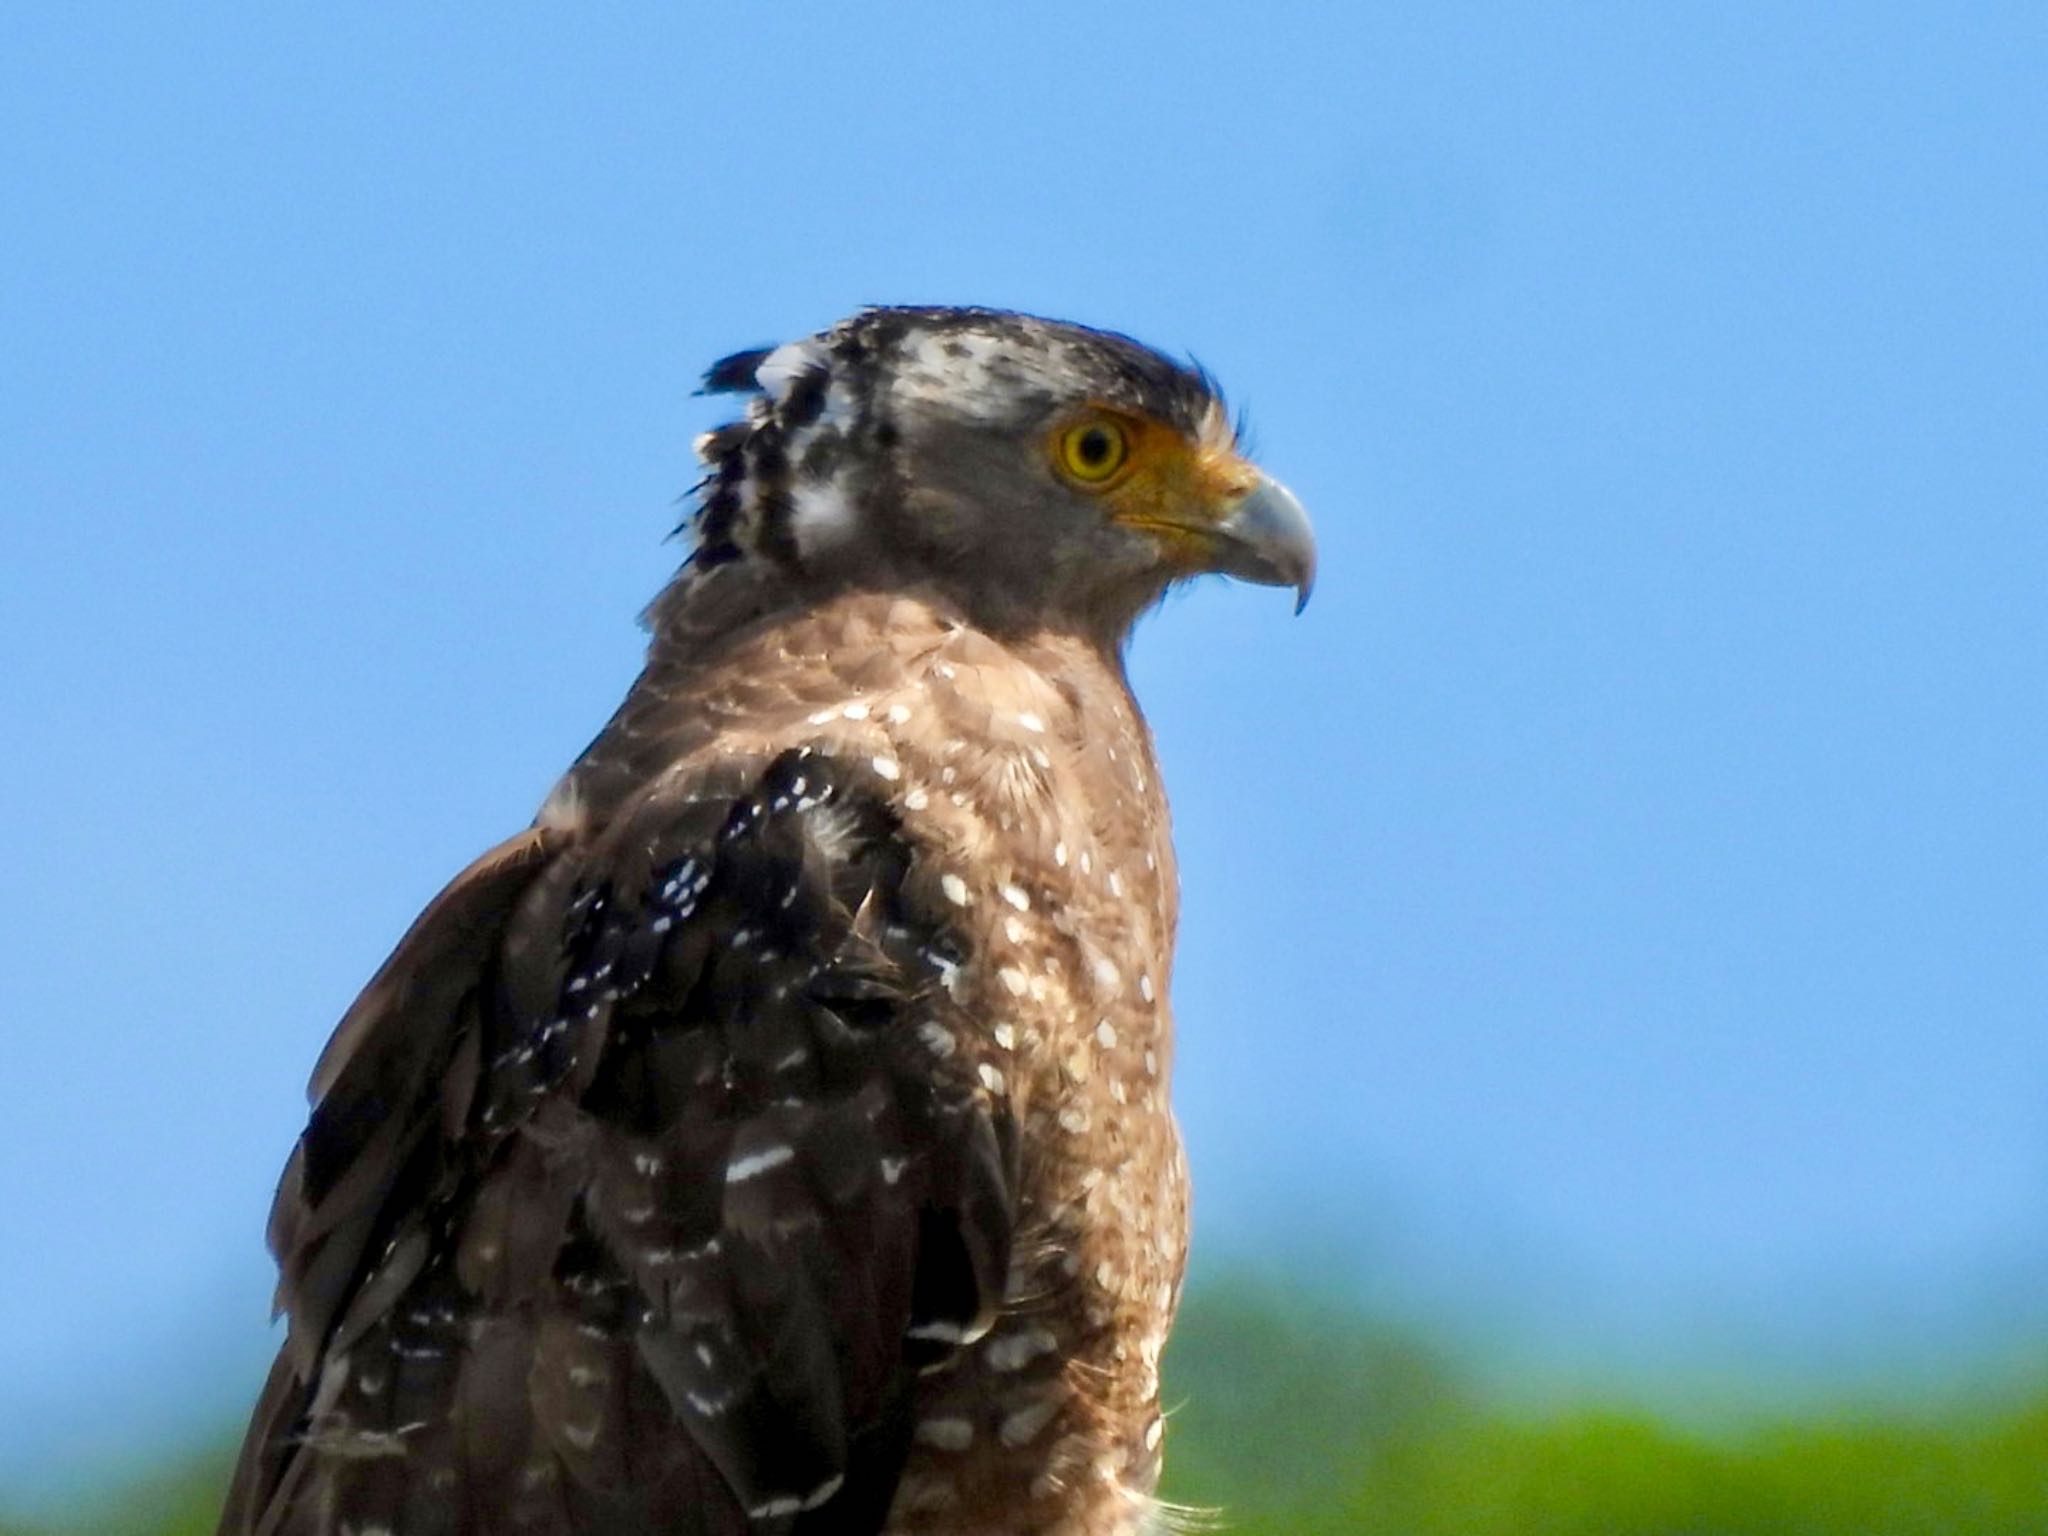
x,y
1154,477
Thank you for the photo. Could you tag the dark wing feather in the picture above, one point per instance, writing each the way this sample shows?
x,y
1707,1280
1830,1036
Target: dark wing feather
x,y
634,1198
368,1089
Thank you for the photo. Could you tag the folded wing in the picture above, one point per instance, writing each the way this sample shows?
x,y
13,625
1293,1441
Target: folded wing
x,y
635,1195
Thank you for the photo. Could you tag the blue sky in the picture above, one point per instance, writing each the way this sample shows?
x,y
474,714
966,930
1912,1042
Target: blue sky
x,y
1618,906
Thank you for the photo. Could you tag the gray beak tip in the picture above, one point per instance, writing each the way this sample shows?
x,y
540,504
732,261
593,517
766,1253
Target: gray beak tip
x,y
1267,539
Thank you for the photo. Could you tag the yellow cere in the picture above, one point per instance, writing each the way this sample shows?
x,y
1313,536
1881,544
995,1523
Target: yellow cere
x,y
1153,476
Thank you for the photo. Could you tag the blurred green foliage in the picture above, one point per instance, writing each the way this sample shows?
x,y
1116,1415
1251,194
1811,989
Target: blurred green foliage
x,y
1308,1420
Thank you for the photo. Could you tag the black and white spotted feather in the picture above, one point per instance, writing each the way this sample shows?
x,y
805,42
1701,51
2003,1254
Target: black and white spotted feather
x,y
628,1138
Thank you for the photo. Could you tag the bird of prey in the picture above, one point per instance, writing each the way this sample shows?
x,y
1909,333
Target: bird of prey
x,y
773,1139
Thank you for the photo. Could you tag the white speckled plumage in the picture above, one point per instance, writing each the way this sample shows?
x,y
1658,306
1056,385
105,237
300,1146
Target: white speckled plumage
x,y
774,1138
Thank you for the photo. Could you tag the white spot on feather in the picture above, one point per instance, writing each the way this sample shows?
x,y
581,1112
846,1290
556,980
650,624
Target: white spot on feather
x,y
1014,1351
821,517
1024,1426
754,1164
945,1434
564,810
781,368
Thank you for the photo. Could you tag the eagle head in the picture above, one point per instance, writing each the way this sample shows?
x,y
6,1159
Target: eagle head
x,y
1026,471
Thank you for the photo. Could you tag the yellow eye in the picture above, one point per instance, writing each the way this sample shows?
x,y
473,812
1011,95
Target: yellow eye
x,y
1093,451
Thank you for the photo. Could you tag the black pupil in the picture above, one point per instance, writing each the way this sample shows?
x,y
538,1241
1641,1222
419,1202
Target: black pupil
x,y
1095,447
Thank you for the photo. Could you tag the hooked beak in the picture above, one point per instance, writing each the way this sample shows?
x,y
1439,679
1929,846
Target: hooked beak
x,y
1266,538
